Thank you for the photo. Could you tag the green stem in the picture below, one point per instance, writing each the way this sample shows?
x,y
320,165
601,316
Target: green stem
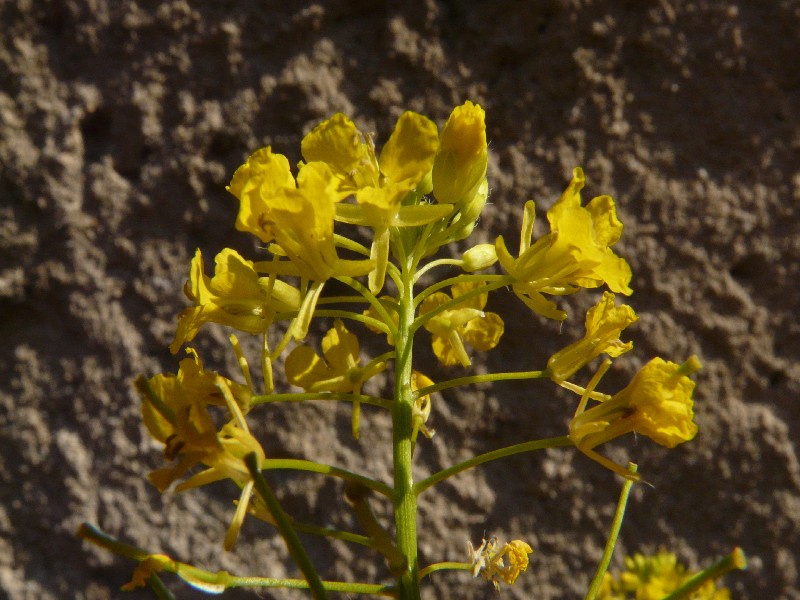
x,y
477,379
405,497
438,263
374,302
346,314
284,525
736,560
159,589
297,464
341,300
337,534
222,580
503,279
345,242
616,525
557,442
450,566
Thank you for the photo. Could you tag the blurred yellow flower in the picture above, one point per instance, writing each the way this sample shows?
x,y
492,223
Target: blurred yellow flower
x,y
604,324
465,322
654,578
236,296
575,254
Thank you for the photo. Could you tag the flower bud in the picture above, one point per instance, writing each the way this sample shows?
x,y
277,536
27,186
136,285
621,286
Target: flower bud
x,y
479,257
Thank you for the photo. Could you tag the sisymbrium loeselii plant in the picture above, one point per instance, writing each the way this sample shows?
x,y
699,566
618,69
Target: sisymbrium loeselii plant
x,y
422,192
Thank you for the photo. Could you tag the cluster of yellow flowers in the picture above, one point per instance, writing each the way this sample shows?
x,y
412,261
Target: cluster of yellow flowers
x,y
654,578
424,190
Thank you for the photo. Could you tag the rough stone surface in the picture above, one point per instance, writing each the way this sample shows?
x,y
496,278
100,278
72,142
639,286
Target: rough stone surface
x,y
121,123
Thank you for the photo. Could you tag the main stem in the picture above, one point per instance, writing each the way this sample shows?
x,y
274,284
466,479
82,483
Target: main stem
x,y
405,498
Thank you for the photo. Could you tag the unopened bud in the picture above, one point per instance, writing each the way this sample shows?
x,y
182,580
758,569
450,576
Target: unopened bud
x,y
479,257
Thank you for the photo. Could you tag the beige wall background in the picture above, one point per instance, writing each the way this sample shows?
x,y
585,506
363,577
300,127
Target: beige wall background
x,y
121,123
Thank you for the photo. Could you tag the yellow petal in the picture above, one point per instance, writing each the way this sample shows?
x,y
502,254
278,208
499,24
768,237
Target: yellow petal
x,y
484,333
449,350
478,302
303,221
408,154
304,368
263,176
338,143
461,162
340,348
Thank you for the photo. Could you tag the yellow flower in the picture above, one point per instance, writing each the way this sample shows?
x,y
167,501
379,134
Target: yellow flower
x,y
465,322
297,215
178,415
653,578
657,403
487,561
339,371
379,185
604,324
575,254
192,387
236,296
175,411
463,155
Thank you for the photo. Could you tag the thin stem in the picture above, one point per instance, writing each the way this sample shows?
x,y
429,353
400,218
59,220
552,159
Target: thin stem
x,y
450,566
348,244
380,359
222,580
159,589
556,442
302,397
287,337
450,383
337,534
505,279
374,302
438,263
346,314
284,525
342,300
297,464
393,272
736,560
616,525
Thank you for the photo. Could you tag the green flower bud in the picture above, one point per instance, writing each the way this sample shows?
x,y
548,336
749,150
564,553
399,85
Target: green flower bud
x,y
479,257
